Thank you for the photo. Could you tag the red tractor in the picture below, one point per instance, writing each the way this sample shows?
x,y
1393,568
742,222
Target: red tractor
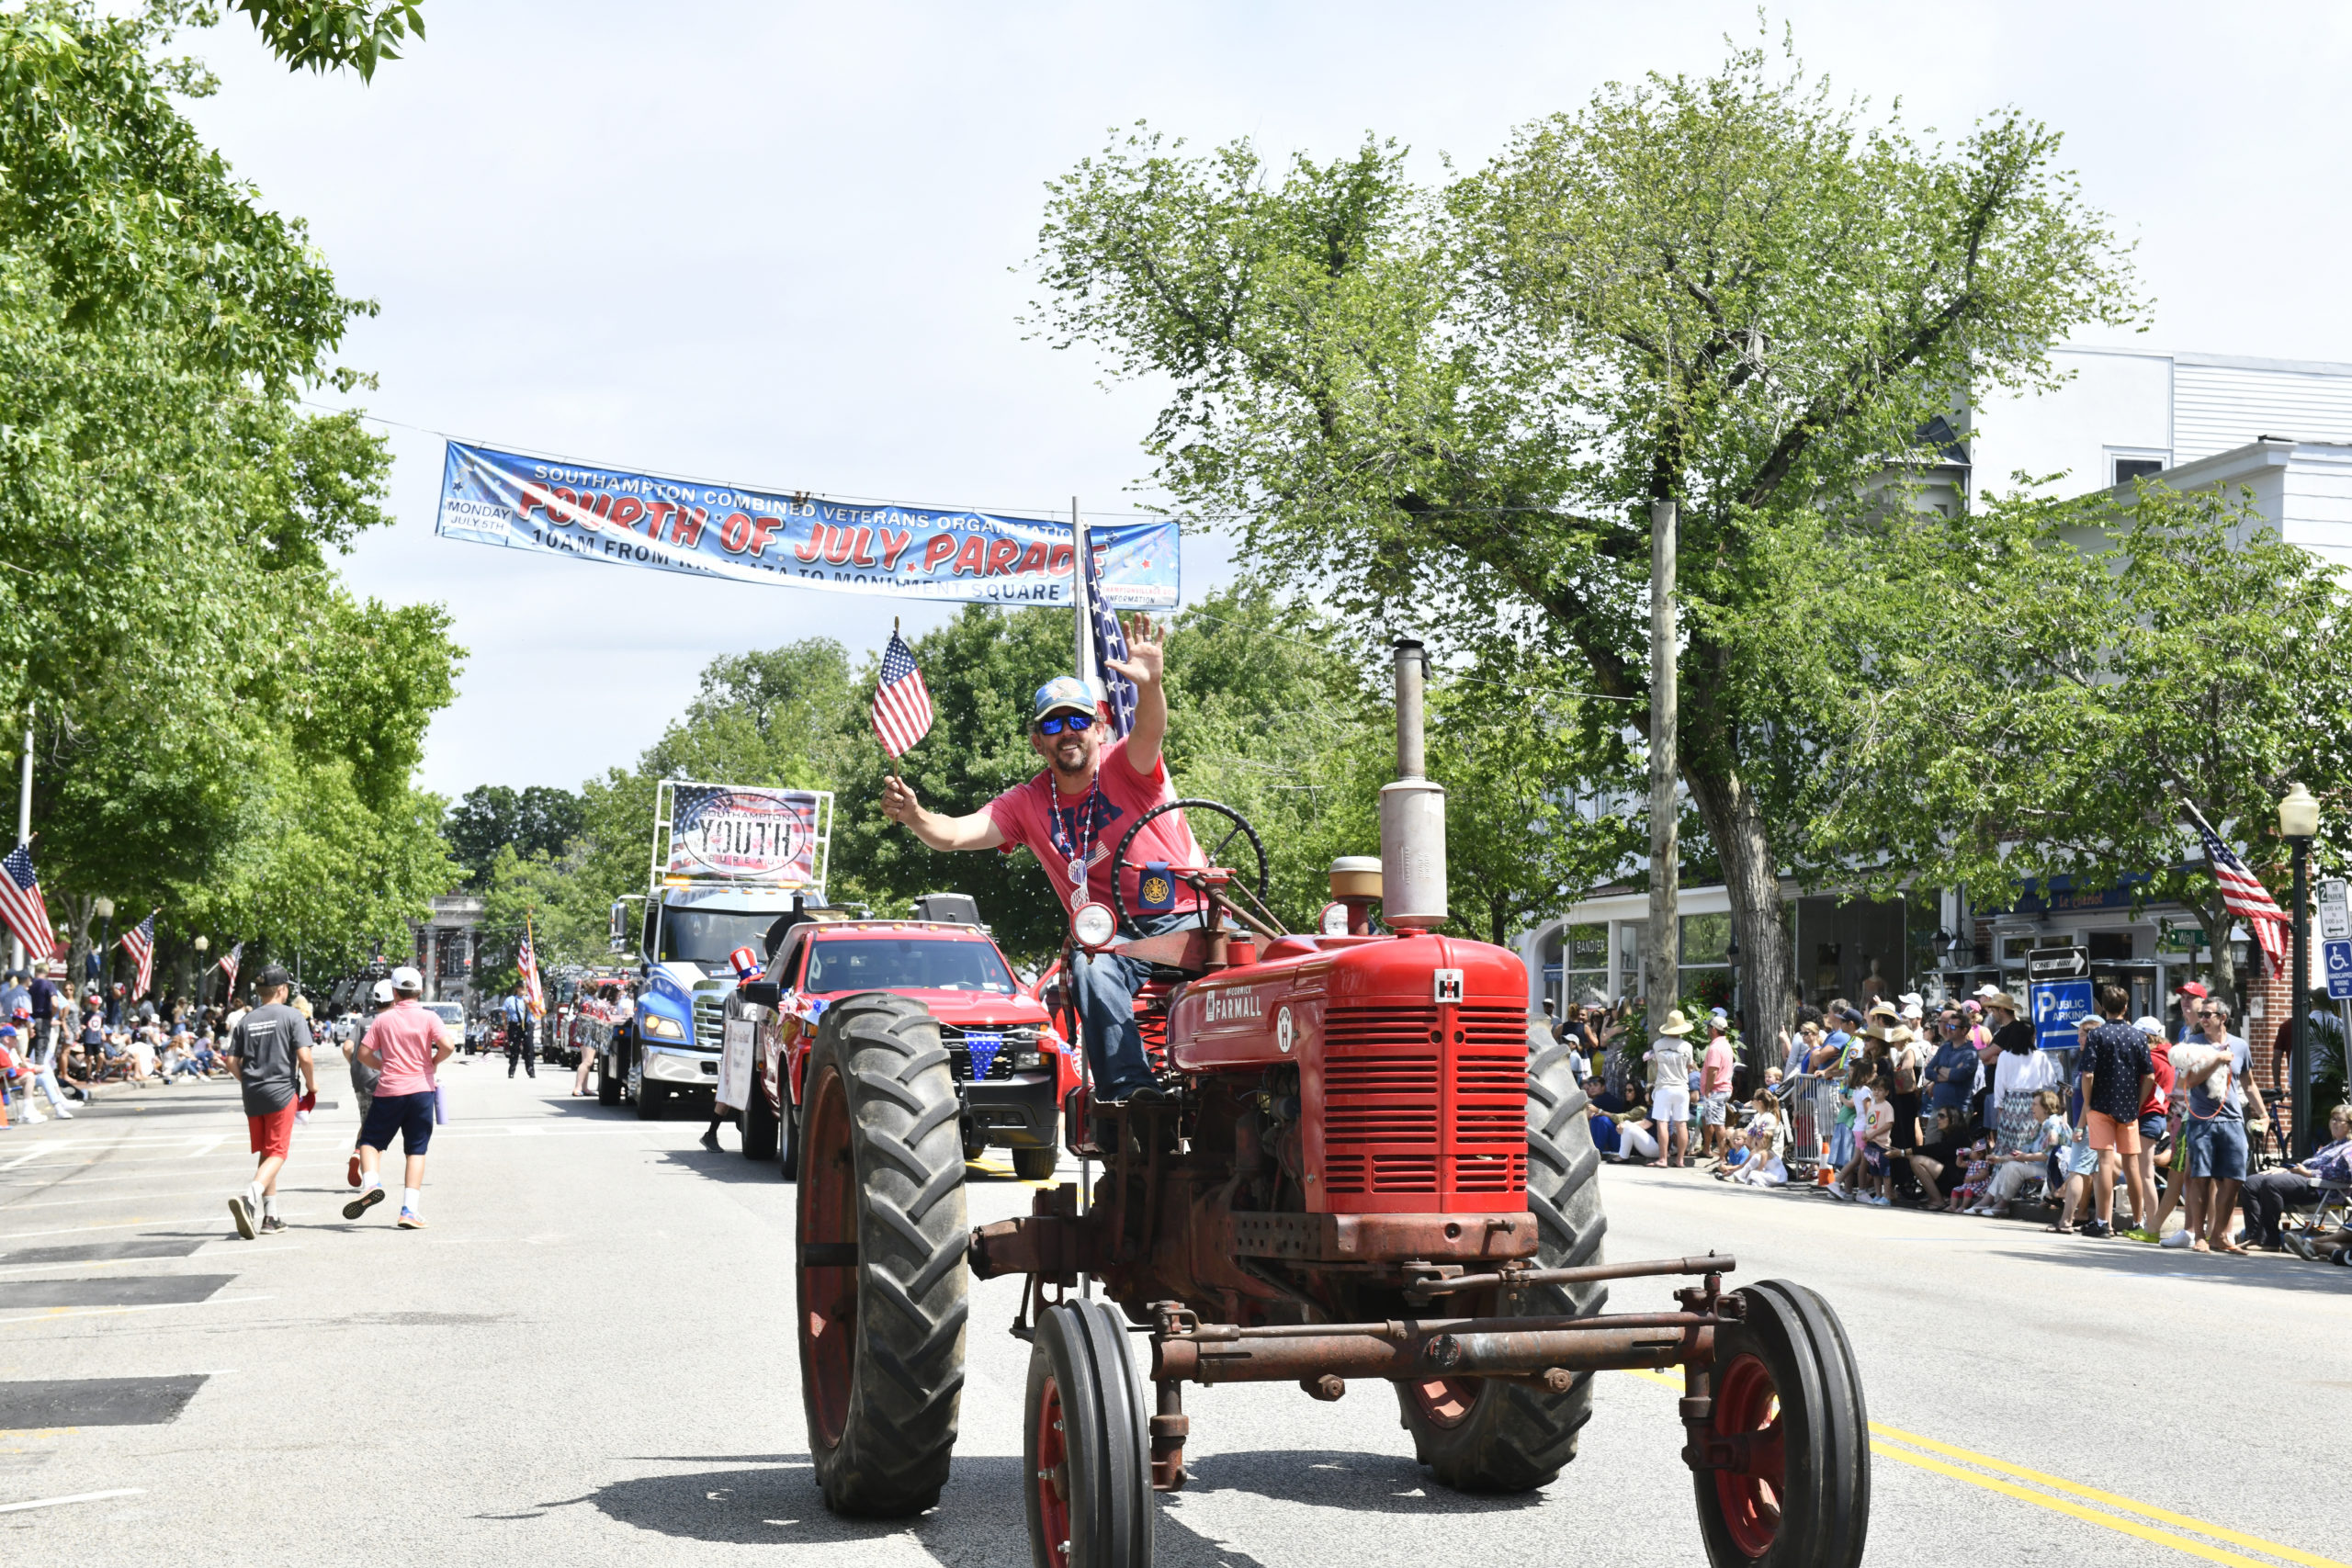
x,y
1372,1168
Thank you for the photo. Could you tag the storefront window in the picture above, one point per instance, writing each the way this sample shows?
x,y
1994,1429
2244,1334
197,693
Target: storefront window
x,y
1705,975
1584,965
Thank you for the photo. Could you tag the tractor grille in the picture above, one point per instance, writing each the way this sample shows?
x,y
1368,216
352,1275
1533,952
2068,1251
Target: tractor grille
x,y
1423,1101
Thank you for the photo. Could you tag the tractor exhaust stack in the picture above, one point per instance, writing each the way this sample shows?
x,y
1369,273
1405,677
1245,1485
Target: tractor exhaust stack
x,y
1412,811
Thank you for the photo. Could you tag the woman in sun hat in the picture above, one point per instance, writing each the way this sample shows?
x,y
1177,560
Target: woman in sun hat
x,y
1672,1063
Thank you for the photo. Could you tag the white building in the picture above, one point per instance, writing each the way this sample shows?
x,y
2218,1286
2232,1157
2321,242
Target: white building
x,y
2281,429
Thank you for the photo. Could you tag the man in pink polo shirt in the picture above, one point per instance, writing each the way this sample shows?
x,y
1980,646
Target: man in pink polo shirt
x,y
1073,815
406,1045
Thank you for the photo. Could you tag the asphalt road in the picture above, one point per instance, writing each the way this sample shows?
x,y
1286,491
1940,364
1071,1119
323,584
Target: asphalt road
x,y
588,1359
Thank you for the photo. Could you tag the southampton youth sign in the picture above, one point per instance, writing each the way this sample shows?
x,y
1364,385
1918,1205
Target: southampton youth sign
x,y
644,520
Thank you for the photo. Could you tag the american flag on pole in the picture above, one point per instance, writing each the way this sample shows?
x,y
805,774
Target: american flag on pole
x,y
140,942
527,964
2243,892
21,904
229,961
1109,643
902,702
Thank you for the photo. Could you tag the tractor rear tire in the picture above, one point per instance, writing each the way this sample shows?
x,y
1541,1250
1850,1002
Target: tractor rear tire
x,y
1784,1386
608,1083
1484,1435
758,1124
1087,1447
884,1287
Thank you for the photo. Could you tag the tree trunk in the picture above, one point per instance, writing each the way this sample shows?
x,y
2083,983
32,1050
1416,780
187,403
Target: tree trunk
x,y
1736,821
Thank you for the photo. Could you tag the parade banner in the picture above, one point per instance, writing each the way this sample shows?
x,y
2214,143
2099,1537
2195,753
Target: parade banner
x,y
644,520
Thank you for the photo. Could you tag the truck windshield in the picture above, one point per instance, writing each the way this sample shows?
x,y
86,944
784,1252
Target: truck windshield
x,y
889,963
706,936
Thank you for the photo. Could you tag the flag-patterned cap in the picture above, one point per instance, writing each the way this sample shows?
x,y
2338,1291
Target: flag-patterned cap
x,y
1063,692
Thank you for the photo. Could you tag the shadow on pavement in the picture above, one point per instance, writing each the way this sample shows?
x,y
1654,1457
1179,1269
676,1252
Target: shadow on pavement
x,y
980,1518
724,1164
2264,1270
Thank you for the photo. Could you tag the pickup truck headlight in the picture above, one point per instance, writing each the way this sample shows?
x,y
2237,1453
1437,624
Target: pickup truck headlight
x,y
1028,1056
660,1028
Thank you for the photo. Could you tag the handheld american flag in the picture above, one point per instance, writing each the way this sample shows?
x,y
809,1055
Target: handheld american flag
x,y
902,702
527,964
2245,896
229,961
140,942
23,908
1109,643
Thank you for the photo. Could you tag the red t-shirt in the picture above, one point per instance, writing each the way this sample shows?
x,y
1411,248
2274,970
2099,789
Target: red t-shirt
x,y
2162,1062
1056,828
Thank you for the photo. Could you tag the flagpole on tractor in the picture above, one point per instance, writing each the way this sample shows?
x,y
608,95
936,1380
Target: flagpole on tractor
x,y
1082,628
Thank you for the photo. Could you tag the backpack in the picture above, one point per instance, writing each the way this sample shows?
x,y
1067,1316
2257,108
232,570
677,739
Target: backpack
x,y
1907,1071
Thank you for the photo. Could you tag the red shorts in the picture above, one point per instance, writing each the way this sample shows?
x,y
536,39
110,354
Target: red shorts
x,y
272,1133
2106,1132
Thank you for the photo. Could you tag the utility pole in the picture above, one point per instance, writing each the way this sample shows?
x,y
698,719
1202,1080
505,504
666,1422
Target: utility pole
x,y
1662,948
24,827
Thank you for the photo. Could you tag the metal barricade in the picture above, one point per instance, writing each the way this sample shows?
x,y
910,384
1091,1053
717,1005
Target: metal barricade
x,y
1810,1102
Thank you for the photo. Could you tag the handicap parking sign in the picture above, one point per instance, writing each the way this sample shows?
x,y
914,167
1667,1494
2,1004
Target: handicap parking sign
x,y
2338,963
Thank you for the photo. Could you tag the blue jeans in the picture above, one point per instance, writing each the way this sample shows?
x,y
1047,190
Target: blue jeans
x,y
1106,984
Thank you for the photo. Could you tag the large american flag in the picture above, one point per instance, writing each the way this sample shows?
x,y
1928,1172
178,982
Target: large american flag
x,y
140,942
902,702
527,962
2245,896
21,904
1109,643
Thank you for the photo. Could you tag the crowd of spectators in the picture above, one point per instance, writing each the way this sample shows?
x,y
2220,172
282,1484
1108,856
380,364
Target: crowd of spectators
x,y
58,1049
1957,1108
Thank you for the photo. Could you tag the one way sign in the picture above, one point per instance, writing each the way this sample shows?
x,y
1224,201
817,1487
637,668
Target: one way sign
x,y
2338,955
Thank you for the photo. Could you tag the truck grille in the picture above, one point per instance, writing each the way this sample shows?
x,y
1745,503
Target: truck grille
x,y
999,1069
1424,1101
710,1021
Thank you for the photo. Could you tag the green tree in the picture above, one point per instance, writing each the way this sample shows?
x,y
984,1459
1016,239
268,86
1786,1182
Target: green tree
x,y
2174,651
539,820
1449,409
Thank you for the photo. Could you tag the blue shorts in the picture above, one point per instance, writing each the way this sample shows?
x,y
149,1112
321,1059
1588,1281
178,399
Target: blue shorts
x,y
2152,1128
2216,1148
410,1115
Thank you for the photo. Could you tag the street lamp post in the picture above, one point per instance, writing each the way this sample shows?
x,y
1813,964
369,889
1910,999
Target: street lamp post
x,y
203,971
105,909
2299,824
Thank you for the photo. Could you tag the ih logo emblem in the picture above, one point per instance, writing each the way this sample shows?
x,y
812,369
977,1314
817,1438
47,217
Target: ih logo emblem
x,y
1449,985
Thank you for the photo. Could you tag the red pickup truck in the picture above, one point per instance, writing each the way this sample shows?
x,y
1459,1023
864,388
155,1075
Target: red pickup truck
x,y
1012,1068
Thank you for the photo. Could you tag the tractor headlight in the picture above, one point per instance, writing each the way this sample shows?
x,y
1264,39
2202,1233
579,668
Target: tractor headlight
x,y
659,1026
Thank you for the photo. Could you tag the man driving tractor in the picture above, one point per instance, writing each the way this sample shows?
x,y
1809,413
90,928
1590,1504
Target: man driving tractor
x,y
1071,817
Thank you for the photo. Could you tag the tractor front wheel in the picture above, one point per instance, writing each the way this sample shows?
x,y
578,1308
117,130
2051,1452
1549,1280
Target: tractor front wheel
x,y
758,1124
1485,1435
1788,1482
1087,1448
883,1282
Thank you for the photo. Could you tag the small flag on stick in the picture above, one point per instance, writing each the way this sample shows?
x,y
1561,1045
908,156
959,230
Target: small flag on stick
x,y
902,702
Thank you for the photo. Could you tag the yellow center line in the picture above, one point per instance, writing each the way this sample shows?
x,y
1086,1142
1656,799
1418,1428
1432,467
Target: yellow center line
x,y
2061,1505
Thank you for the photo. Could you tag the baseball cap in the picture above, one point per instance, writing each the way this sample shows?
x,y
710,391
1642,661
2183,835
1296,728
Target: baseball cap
x,y
1987,992
272,976
1063,692
406,978
9,1030
2150,1026
382,993
2195,988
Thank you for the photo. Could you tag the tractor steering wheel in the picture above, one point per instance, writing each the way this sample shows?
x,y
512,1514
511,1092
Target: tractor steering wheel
x,y
1240,829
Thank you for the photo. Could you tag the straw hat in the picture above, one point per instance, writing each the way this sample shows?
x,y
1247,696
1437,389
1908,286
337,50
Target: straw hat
x,y
2002,999
1883,1009
1676,1024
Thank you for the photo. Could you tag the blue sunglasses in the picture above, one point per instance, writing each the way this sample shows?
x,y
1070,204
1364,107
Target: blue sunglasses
x,y
1061,721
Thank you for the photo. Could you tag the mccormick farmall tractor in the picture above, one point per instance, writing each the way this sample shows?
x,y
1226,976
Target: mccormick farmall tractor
x,y
1370,1169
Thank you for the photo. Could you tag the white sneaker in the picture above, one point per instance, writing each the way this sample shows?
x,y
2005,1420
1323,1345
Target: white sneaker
x,y
2175,1239
62,1115
30,1117
1839,1193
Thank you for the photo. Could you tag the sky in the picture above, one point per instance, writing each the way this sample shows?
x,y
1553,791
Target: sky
x,y
782,245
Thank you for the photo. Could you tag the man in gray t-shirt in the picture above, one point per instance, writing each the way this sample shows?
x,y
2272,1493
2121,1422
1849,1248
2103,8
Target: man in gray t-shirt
x,y
270,1050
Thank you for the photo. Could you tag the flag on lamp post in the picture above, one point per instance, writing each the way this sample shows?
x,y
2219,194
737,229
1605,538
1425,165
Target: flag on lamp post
x,y
229,961
140,942
22,906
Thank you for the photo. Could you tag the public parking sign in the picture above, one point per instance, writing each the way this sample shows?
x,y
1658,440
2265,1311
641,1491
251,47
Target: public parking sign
x,y
2338,960
2056,1005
